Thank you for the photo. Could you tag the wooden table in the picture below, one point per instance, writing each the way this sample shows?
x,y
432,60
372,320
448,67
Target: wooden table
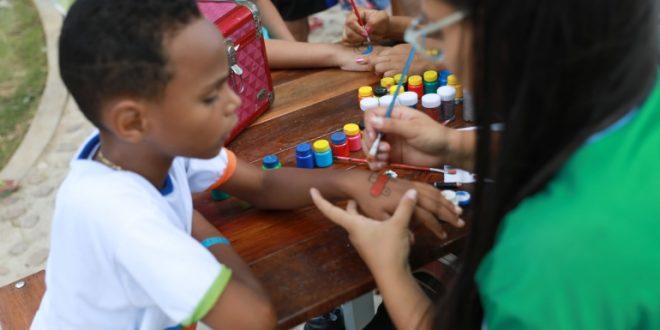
x,y
305,262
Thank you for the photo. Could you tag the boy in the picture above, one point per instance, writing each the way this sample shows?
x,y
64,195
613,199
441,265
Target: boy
x,y
151,75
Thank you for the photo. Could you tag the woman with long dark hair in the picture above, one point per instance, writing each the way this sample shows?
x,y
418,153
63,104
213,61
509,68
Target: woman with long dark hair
x,y
568,235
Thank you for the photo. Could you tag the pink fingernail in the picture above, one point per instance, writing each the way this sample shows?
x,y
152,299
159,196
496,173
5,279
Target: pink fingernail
x,y
360,60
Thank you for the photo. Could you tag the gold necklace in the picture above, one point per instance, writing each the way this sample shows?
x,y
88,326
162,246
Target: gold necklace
x,y
107,162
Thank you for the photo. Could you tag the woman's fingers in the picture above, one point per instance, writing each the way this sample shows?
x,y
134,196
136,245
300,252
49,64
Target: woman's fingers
x,y
334,213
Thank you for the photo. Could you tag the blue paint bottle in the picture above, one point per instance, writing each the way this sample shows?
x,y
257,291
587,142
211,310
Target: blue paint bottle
x,y
322,153
443,77
304,157
270,162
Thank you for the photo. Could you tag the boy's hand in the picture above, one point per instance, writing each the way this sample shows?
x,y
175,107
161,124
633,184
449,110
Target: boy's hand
x,y
351,58
391,61
376,24
431,205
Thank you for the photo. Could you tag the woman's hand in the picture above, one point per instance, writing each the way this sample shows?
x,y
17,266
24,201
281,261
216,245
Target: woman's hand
x,y
381,244
392,61
410,137
376,25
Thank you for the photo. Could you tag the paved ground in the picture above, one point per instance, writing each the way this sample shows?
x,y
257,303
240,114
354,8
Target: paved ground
x,y
42,161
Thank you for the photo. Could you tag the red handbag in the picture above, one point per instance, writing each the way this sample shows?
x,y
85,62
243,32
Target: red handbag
x,y
240,24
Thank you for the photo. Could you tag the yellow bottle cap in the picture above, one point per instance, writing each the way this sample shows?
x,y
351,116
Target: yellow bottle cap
x,y
393,90
351,129
459,91
431,76
387,82
451,80
321,145
398,76
415,80
365,91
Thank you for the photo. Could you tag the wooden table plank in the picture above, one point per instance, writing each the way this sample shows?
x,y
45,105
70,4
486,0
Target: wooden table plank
x,y
18,306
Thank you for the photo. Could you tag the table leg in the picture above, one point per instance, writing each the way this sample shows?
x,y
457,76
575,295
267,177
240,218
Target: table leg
x,y
359,311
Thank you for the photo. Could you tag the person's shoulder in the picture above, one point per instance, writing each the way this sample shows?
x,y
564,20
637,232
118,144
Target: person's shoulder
x,y
92,191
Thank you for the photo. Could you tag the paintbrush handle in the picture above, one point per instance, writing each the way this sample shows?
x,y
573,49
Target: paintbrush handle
x,y
357,13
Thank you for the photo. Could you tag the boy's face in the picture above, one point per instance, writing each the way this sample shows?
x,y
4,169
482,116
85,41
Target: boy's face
x,y
197,110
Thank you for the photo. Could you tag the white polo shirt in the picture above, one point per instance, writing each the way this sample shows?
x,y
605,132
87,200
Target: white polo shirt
x,y
121,254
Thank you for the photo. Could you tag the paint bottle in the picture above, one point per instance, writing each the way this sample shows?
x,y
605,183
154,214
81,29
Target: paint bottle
x,y
459,94
431,83
368,103
339,145
365,91
322,153
304,157
447,95
380,91
443,77
396,80
408,99
270,162
452,80
415,85
386,100
352,132
431,105
386,82
393,90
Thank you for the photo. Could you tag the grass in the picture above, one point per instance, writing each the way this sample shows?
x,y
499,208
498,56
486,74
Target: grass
x,y
23,72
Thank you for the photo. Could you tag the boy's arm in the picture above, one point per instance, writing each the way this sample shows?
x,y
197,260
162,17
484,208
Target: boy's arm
x,y
273,20
284,54
243,304
288,188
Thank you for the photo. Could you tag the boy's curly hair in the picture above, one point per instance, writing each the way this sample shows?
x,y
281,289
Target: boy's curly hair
x,y
112,48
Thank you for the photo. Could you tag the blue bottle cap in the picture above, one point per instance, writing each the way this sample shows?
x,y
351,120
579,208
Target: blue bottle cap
x,y
338,138
444,73
463,198
304,149
270,161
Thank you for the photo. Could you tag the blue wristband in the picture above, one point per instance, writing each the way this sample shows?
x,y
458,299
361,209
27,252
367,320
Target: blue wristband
x,y
209,242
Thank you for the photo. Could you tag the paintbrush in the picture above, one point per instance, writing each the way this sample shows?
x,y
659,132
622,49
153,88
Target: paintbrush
x,y
370,48
401,166
388,114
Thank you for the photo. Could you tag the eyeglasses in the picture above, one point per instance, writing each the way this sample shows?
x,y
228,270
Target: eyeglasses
x,y
427,37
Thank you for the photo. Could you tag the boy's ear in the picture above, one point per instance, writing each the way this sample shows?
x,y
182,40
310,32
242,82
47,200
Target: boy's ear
x,y
128,120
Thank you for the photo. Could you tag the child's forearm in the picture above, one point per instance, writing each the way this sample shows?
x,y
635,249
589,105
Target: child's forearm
x,y
292,186
284,54
225,254
273,21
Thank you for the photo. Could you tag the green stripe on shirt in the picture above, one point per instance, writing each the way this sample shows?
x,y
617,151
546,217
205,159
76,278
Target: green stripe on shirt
x,y
210,298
